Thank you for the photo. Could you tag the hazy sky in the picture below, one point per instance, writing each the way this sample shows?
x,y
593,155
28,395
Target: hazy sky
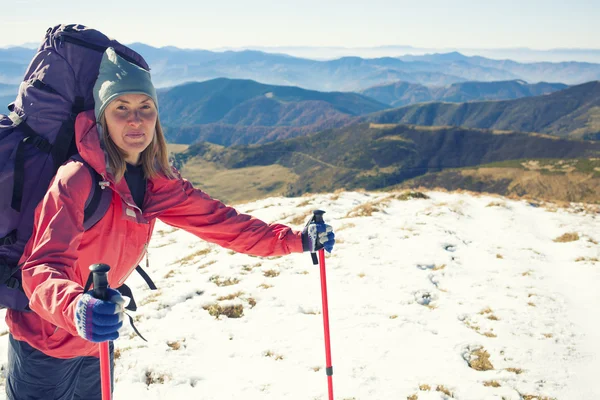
x,y
539,24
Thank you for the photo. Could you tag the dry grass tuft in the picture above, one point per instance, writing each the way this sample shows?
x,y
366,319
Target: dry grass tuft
x,y
499,256
587,259
444,390
535,397
517,371
345,226
299,220
491,383
304,203
187,259
153,378
409,195
231,311
170,274
275,356
271,273
230,296
265,286
216,279
211,262
424,387
413,397
567,237
176,345
479,360
363,210
393,316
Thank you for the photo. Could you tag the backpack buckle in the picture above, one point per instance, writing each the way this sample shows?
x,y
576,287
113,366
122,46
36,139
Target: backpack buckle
x,y
9,239
39,142
15,118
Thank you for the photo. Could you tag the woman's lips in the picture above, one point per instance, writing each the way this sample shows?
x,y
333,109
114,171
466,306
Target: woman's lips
x,y
135,135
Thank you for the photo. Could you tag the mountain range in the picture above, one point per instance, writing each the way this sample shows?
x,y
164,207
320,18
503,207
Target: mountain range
x,y
227,111
374,156
403,93
172,66
572,112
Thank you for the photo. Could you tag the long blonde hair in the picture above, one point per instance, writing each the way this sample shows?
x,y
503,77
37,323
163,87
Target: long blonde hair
x,y
155,157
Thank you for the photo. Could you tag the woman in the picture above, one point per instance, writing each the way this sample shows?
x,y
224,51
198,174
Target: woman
x,y
52,354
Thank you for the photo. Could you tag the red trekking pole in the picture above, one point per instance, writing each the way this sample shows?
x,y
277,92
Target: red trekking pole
x,y
318,218
99,272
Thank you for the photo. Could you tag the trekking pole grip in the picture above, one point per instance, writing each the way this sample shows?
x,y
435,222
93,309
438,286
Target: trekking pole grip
x,y
317,218
100,279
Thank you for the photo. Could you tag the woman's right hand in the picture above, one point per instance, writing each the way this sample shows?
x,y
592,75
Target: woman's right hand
x,y
99,320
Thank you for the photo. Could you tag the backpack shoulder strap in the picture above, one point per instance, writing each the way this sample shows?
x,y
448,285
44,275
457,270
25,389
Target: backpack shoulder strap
x,y
99,199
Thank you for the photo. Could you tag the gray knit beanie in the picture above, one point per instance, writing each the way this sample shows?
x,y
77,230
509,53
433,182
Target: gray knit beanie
x,y
117,77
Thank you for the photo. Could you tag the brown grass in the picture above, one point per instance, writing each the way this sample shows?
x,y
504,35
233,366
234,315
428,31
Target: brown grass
x,y
345,226
567,237
409,195
270,273
176,345
499,256
231,311
363,210
413,397
272,355
587,259
536,397
517,371
444,390
206,264
480,360
491,383
299,220
187,259
238,185
153,378
216,279
265,286
230,296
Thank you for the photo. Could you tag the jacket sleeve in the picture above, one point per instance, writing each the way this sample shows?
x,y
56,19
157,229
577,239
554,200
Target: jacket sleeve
x,y
191,209
51,278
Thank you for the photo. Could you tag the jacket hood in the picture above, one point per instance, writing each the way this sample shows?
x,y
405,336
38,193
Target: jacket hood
x,y
88,142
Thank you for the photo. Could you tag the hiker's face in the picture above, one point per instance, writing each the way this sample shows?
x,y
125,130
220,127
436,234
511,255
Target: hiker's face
x,y
131,123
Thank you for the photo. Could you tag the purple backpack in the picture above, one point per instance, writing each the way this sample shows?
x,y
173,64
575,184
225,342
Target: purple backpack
x,y
37,137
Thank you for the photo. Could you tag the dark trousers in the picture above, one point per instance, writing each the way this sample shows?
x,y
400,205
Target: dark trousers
x,y
32,375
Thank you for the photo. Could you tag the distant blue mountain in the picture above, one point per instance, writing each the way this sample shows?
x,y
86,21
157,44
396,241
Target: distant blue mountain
x,y
172,66
402,93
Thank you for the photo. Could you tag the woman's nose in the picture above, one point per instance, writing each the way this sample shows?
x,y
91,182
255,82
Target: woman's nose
x,y
135,119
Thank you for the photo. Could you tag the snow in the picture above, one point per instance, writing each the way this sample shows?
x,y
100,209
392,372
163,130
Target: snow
x,y
414,290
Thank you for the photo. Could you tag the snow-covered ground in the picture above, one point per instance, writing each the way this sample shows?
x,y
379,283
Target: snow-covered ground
x,y
422,293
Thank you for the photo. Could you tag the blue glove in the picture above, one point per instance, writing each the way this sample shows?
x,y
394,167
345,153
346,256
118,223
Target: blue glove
x,y
317,236
99,320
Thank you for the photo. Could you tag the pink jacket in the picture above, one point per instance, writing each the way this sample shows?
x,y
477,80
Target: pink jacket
x,y
59,253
